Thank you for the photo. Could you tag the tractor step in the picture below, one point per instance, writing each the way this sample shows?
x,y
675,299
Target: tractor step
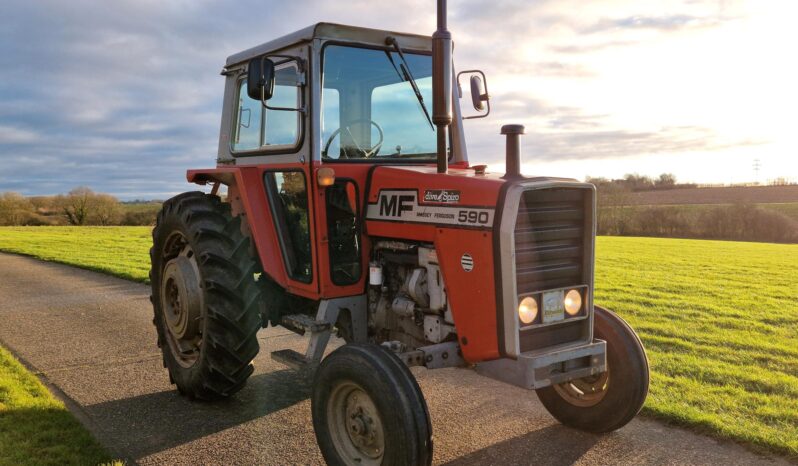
x,y
291,358
301,323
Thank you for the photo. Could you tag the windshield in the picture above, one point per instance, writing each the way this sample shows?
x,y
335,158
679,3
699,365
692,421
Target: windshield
x,y
369,107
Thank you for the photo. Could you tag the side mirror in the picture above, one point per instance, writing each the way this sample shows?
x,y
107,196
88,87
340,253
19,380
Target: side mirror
x,y
260,79
478,94
480,98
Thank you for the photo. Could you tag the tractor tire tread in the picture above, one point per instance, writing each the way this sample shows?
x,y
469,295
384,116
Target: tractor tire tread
x,y
229,288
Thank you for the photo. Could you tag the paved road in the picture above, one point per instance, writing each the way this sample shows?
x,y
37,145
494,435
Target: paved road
x,y
91,338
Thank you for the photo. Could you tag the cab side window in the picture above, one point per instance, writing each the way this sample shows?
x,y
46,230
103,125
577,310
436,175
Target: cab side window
x,y
343,232
288,198
248,119
257,127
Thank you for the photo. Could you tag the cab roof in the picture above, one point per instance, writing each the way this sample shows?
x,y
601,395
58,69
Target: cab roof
x,y
331,31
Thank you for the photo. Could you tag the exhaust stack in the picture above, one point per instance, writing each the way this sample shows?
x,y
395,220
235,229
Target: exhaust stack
x,y
513,161
442,85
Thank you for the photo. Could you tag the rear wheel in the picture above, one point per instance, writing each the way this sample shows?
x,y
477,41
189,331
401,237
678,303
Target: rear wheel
x,y
205,298
607,401
368,409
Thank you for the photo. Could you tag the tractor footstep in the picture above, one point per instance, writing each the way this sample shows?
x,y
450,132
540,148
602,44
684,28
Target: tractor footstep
x,y
292,359
302,323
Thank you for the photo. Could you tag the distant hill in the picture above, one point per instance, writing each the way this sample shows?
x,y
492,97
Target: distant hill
x,y
721,195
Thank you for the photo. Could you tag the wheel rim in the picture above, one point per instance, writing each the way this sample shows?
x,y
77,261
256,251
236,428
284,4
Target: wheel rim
x,y
587,391
355,425
181,300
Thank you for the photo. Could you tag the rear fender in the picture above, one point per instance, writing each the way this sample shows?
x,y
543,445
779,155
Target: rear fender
x,y
247,196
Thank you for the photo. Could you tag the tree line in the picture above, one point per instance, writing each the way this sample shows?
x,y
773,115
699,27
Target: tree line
x,y
617,216
636,183
80,206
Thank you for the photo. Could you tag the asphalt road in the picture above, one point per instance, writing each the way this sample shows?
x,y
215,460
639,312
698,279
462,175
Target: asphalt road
x,y
90,337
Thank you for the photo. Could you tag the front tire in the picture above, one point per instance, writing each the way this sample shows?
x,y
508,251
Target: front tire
x,y
607,401
369,410
205,297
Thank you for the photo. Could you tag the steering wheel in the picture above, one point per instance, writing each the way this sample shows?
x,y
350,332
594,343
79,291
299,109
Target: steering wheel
x,y
371,152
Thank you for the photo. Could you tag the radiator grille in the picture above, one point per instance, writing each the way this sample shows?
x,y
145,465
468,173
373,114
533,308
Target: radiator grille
x,y
551,335
550,239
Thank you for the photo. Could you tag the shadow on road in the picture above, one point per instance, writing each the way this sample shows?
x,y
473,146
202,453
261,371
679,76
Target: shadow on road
x,y
155,422
550,446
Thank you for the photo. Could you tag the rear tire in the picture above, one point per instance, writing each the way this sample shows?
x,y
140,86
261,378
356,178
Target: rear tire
x,y
205,298
608,401
368,409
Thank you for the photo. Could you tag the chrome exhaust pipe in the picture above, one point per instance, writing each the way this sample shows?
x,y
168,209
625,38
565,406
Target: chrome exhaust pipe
x,y
442,85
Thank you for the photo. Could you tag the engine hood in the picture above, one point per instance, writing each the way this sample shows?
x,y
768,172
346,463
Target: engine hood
x,y
420,195
457,187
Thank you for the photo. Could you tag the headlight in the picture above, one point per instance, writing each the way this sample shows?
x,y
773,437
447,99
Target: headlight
x,y
528,310
572,302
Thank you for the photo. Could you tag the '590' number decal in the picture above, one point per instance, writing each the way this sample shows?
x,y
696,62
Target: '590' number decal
x,y
473,217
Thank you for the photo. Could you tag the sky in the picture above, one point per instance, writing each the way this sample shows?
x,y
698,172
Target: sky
x,y
124,96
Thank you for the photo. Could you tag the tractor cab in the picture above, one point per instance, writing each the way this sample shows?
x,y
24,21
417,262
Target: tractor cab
x,y
314,116
332,93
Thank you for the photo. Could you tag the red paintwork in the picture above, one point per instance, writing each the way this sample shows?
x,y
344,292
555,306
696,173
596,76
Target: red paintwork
x,y
471,294
248,183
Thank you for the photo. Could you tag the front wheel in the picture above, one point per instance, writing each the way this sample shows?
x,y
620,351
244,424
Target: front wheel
x,y
368,409
607,401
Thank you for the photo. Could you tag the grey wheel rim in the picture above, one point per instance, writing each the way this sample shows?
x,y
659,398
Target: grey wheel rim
x,y
182,301
355,425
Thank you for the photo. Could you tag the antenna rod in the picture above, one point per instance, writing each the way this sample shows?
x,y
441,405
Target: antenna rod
x,y
442,85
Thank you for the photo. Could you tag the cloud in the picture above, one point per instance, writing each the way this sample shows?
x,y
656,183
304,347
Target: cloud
x,y
10,135
657,23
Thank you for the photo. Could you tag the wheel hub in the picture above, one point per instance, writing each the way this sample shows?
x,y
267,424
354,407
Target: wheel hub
x,y
356,425
181,298
585,392
361,431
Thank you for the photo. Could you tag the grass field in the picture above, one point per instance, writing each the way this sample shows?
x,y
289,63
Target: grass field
x,y
720,325
120,251
718,319
35,428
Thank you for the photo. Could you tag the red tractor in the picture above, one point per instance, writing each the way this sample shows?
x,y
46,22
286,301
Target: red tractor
x,y
351,210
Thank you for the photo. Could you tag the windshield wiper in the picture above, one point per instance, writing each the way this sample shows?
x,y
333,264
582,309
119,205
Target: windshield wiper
x,y
406,75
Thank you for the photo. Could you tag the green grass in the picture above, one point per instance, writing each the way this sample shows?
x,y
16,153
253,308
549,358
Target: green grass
x,y
35,427
720,325
719,319
120,251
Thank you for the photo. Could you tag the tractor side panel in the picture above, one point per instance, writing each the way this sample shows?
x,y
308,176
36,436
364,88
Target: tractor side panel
x,y
466,261
455,212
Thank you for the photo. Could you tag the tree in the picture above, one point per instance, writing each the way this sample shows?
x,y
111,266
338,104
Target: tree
x,y
665,181
105,209
637,182
75,205
82,206
15,209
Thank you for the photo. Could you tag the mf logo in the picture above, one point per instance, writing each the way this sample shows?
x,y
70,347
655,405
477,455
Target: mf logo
x,y
393,205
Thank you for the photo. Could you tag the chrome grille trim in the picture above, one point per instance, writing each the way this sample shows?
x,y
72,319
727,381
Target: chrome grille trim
x,y
545,241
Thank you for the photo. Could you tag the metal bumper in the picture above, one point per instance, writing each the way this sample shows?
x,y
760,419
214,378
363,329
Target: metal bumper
x,y
550,366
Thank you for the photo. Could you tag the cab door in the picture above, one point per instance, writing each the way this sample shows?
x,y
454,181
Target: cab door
x,y
342,245
269,144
